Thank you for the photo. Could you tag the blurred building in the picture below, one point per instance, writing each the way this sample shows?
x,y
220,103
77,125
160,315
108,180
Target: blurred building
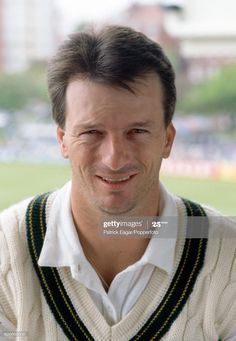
x,y
200,35
207,34
149,19
29,32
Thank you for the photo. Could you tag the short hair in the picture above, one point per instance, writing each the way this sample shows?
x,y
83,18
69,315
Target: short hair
x,y
117,56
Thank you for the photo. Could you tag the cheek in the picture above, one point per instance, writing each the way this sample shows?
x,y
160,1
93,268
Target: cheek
x,y
149,153
155,150
152,159
149,159
82,156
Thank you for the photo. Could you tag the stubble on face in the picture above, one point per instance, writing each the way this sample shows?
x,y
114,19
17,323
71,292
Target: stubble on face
x,y
116,109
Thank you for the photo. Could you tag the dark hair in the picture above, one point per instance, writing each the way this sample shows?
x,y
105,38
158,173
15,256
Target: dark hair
x,y
117,55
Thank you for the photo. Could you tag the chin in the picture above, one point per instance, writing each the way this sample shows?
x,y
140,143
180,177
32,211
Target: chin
x,y
116,210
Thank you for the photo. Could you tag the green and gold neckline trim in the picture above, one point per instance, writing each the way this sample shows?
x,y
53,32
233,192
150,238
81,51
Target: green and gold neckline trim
x,y
51,284
162,318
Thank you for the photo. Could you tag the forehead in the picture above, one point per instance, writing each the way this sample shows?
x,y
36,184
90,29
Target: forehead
x,y
87,99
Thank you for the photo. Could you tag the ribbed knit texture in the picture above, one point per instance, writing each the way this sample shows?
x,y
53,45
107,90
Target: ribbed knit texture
x,y
209,313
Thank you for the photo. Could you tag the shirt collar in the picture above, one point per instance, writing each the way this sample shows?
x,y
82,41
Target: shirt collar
x,y
161,250
62,247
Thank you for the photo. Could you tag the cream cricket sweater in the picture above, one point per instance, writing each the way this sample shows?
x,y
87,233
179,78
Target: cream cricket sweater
x,y
208,314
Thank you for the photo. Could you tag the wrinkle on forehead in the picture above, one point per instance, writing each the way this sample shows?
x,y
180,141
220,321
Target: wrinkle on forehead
x,y
90,102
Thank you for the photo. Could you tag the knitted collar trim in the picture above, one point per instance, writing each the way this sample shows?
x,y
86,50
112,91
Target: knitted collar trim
x,y
162,318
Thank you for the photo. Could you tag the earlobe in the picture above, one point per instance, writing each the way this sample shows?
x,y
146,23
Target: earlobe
x,y
61,141
170,135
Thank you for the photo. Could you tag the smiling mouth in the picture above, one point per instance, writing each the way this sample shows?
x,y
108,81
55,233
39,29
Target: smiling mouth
x,y
117,181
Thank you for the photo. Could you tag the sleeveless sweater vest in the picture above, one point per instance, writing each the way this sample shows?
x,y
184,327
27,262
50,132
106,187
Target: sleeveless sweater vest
x,y
62,308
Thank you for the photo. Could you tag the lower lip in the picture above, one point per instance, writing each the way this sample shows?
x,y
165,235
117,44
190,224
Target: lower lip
x,y
117,185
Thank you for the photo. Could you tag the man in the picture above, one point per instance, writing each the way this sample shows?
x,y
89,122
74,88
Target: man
x,y
113,98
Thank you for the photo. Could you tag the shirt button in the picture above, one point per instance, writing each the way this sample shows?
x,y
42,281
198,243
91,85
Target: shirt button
x,y
79,267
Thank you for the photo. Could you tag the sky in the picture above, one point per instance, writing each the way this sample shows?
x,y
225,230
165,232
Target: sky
x,y
75,11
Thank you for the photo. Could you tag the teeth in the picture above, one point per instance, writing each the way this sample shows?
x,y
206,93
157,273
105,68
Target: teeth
x,y
116,180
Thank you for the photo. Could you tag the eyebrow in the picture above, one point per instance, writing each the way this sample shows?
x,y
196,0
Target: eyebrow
x,y
147,123
86,126
143,124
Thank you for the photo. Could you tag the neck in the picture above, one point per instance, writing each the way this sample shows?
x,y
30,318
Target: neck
x,y
107,255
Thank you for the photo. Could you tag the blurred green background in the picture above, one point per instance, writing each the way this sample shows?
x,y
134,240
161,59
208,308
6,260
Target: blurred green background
x,y
18,181
200,46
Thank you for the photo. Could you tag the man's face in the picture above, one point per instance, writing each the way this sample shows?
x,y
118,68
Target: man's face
x,y
115,141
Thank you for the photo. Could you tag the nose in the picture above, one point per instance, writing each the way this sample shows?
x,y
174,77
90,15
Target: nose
x,y
115,152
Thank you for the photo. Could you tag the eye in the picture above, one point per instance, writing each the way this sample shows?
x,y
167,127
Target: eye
x,y
93,132
138,131
92,135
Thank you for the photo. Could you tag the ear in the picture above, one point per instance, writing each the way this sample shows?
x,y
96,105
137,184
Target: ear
x,y
61,141
170,135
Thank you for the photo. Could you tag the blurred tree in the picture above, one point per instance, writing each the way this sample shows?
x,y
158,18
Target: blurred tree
x,y
214,96
20,89
83,26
